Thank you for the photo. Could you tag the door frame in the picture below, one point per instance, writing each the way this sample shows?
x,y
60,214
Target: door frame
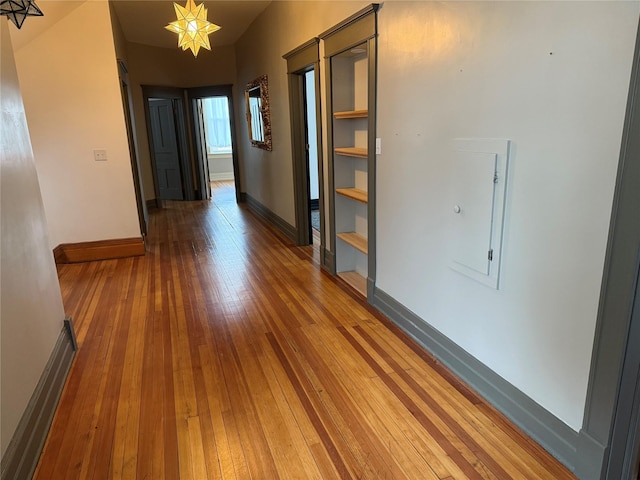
x,y
301,60
177,96
197,93
624,452
127,104
608,442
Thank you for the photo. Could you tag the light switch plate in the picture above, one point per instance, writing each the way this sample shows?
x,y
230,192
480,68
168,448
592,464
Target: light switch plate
x,y
378,146
100,155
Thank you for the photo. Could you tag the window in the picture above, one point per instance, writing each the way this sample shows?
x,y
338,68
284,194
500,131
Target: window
x,y
216,124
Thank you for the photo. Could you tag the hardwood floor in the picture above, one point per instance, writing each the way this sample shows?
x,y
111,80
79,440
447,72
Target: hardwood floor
x,y
226,353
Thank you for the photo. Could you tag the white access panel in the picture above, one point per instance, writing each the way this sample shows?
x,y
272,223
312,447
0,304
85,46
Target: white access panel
x,y
479,188
473,209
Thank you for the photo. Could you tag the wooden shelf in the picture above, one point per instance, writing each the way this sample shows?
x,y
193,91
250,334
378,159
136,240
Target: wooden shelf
x,y
353,193
355,240
356,281
352,151
351,114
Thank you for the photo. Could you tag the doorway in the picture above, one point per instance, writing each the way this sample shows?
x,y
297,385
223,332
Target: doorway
x,y
303,65
166,153
179,142
171,160
127,102
214,137
217,132
311,147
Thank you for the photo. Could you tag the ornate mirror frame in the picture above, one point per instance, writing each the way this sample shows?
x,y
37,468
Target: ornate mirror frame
x,y
261,119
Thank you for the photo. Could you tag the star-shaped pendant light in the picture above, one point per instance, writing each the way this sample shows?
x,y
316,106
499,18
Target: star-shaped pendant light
x,y
18,10
192,27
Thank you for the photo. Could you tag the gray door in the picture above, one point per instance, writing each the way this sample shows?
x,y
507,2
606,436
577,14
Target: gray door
x,y
165,149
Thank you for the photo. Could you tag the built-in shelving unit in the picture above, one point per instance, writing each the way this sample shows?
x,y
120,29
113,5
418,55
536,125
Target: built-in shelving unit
x,y
350,50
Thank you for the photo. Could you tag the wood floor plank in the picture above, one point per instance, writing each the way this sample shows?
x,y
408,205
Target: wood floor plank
x,y
258,457
395,419
286,394
226,353
466,417
323,433
424,444
127,422
468,465
377,461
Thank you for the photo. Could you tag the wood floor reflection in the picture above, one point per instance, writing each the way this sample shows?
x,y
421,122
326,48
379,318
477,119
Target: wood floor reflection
x,y
226,353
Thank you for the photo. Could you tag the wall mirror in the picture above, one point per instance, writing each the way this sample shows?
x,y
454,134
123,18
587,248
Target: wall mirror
x,y
258,115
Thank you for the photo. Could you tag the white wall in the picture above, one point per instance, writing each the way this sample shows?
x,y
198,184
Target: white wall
x,y
552,77
283,26
69,79
31,313
220,166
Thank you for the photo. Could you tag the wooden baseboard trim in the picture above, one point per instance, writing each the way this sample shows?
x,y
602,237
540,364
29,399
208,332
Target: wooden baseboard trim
x,y
151,204
22,455
100,250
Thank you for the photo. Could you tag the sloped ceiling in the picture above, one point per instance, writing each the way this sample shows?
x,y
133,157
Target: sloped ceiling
x,y
54,11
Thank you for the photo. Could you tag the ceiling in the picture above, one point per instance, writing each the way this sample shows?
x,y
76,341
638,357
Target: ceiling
x,y
143,21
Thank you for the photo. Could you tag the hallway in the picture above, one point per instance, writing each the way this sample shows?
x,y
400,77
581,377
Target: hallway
x,y
226,353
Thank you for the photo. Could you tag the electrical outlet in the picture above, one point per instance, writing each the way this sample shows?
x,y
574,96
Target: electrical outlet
x,y
100,155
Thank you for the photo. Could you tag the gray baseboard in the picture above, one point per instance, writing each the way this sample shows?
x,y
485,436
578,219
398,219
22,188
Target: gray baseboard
x,y
263,212
542,426
22,455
